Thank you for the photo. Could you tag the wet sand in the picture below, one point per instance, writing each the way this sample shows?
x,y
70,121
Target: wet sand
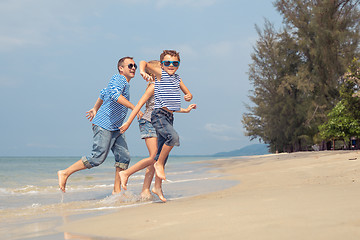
x,y
306,195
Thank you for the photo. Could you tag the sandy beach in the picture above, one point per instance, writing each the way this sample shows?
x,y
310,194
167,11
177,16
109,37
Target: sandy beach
x,y
306,195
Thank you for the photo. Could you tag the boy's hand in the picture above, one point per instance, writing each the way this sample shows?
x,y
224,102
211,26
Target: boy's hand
x,y
188,97
190,107
124,127
91,114
146,76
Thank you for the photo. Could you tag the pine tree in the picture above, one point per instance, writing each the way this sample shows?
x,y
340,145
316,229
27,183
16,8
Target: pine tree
x,y
295,72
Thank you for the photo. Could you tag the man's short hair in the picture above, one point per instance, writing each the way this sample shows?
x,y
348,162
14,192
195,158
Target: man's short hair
x,y
121,61
172,53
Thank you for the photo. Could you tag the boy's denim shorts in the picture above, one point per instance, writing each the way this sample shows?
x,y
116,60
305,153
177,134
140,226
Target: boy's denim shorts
x,y
104,141
146,129
162,121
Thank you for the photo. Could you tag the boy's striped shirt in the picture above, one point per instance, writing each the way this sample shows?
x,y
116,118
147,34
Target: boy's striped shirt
x,y
167,92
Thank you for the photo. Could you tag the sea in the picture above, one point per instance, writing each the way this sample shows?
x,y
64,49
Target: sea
x,y
33,207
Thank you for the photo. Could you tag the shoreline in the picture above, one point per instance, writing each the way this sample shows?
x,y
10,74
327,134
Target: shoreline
x,y
304,195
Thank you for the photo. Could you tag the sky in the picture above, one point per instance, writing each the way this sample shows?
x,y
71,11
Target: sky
x,y
56,56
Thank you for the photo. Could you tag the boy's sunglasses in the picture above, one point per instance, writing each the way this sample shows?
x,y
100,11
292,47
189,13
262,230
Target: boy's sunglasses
x,y
174,63
130,66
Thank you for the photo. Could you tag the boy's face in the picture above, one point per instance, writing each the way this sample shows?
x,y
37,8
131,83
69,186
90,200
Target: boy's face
x,y
170,69
128,69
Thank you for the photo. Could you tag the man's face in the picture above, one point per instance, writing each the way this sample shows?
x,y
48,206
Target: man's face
x,y
128,69
170,69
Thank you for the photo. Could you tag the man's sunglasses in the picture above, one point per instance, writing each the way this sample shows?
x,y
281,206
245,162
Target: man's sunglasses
x,y
130,66
174,63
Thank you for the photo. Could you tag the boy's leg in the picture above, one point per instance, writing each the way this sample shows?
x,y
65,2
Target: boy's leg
x,y
64,174
160,164
151,144
167,138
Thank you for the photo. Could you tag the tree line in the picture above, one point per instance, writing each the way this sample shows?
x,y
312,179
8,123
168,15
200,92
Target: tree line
x,y
305,76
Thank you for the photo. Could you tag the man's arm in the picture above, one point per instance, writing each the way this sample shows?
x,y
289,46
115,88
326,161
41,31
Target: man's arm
x,y
92,112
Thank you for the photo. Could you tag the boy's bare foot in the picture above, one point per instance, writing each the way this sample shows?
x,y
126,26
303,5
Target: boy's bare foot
x,y
115,192
158,191
159,170
62,180
146,195
123,179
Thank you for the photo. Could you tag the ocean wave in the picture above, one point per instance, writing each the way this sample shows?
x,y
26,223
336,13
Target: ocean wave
x,y
34,190
190,179
28,189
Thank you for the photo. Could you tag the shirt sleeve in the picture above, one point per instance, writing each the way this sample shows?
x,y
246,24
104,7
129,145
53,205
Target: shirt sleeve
x,y
102,94
116,87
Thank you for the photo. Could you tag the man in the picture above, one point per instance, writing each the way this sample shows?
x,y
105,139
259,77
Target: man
x,y
107,116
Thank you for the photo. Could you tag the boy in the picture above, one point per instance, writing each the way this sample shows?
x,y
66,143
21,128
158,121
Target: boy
x,y
167,101
108,115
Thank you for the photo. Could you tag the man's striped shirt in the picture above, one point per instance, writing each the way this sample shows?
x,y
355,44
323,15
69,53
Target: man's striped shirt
x,y
111,114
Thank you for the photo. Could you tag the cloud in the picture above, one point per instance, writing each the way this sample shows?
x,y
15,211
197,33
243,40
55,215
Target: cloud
x,y
224,132
217,128
186,3
7,82
226,48
39,22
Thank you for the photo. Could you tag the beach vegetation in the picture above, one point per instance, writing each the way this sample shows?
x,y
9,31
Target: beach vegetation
x,y
295,71
343,121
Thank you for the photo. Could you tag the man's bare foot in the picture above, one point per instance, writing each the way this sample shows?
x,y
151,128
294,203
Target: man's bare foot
x,y
146,195
117,189
159,170
158,191
62,180
123,178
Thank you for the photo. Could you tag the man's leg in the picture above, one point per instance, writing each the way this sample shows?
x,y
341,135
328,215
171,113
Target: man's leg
x,y
122,160
64,174
101,145
117,182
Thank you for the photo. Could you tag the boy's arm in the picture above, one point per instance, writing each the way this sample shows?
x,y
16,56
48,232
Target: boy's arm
x,y
148,93
188,96
188,109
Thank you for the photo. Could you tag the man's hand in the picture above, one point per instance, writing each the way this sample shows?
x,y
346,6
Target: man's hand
x,y
91,114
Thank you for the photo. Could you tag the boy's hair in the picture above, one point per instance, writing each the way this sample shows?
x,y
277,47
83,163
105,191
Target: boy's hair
x,y
172,53
121,61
